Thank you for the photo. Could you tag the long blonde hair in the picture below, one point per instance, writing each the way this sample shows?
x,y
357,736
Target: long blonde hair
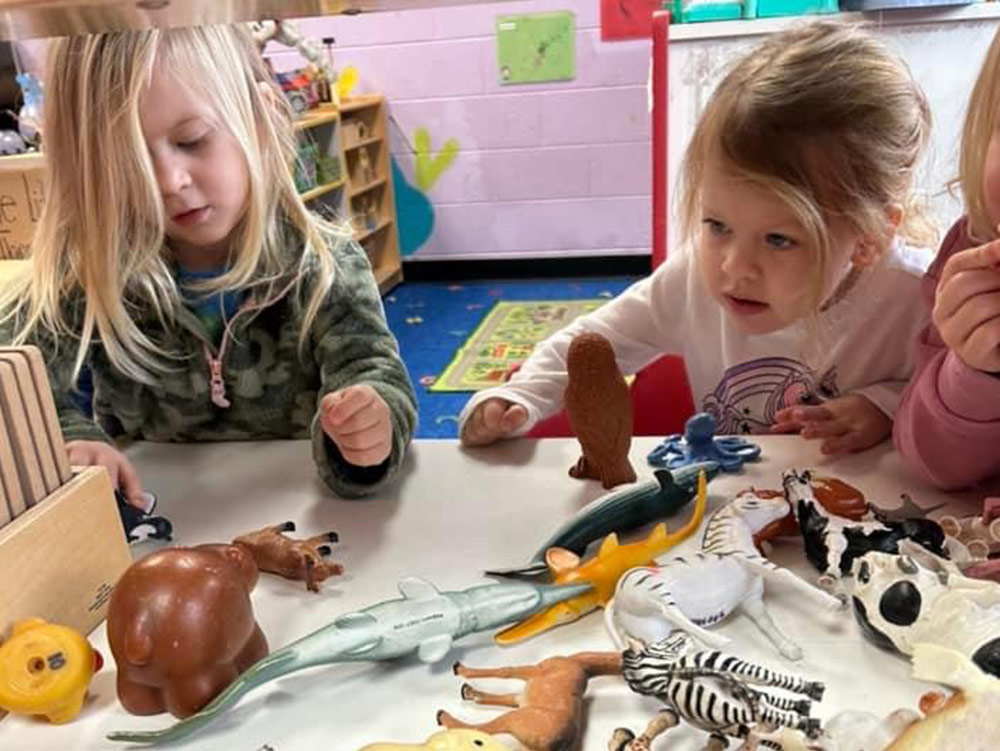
x,y
980,122
825,118
101,234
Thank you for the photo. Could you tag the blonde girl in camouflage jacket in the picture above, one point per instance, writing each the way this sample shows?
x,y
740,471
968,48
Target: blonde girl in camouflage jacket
x,y
167,158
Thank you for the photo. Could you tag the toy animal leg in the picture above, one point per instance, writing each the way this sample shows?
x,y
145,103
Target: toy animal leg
x,y
758,675
583,470
673,615
524,672
754,607
774,573
662,721
716,742
620,473
782,704
536,729
481,697
138,698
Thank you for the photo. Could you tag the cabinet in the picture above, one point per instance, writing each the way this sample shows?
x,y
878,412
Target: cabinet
x,y
345,172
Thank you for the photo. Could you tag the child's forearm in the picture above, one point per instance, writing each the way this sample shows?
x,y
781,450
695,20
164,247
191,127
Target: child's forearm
x,y
948,426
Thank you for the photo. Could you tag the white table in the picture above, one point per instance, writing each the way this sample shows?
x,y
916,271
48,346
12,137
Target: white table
x,y
452,514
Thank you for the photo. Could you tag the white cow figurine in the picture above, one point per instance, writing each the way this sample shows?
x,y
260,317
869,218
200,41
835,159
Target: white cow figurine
x,y
916,597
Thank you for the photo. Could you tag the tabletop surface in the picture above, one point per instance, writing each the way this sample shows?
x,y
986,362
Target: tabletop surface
x,y
452,514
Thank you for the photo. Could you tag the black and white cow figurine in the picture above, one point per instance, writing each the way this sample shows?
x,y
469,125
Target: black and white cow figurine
x,y
916,597
833,542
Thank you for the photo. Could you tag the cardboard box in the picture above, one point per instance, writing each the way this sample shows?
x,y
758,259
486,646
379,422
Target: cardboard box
x,y
22,195
62,558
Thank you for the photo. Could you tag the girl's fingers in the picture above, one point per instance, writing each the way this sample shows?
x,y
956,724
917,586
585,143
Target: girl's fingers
x,y
824,429
983,257
976,314
963,288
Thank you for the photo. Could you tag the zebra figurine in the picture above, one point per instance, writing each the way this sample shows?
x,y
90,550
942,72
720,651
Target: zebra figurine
x,y
712,691
699,590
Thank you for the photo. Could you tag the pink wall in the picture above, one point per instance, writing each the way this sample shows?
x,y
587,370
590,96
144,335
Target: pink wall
x,y
544,169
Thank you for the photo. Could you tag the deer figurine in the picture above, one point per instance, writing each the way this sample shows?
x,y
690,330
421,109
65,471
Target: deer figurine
x,y
304,560
549,711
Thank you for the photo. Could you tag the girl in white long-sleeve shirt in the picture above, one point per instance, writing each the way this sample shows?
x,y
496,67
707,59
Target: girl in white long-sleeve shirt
x,y
796,305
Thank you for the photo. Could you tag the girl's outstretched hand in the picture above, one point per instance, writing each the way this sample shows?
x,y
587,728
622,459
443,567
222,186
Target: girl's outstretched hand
x,y
967,306
847,423
359,422
100,454
492,420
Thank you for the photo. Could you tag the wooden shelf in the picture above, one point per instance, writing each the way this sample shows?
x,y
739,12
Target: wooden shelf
x,y
387,278
317,117
359,102
321,190
365,188
362,235
363,142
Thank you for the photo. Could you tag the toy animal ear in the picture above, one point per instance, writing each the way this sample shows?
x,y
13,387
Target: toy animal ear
x,y
900,604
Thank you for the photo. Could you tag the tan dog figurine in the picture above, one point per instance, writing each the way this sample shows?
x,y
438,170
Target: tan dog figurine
x,y
599,410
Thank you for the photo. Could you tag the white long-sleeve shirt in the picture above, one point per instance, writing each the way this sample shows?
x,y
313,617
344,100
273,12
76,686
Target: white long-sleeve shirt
x,y
860,344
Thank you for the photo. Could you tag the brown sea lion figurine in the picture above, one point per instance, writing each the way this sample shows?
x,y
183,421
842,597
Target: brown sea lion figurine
x,y
599,410
181,628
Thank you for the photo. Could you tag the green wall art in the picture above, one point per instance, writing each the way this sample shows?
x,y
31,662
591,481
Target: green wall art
x,y
536,47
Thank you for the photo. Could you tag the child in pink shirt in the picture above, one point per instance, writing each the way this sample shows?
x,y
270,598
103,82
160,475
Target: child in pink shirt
x,y
948,426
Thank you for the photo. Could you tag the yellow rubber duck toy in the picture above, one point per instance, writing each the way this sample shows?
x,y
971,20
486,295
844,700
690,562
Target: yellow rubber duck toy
x,y
45,669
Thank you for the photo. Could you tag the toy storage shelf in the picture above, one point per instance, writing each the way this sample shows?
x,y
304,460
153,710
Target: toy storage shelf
x,y
362,190
25,19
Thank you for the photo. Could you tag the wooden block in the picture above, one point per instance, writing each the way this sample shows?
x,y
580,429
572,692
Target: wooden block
x,y
9,478
6,512
62,558
16,419
40,377
36,424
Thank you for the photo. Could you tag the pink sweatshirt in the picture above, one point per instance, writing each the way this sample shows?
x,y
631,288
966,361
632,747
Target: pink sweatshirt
x,y
948,425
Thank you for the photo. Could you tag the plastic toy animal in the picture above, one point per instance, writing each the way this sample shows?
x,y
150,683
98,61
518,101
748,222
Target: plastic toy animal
x,y
550,708
446,740
45,669
699,590
619,511
140,524
715,692
833,543
915,597
424,621
599,409
602,571
700,444
181,627
301,560
836,496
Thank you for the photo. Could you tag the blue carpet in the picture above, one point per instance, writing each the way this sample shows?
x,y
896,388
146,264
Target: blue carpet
x,y
433,319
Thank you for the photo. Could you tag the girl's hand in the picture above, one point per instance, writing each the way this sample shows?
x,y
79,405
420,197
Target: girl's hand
x,y
100,454
492,420
848,423
359,422
967,307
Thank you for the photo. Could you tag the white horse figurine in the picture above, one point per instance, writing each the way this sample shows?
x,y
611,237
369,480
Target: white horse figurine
x,y
692,592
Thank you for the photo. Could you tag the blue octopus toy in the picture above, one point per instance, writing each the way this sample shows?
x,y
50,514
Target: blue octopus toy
x,y
700,444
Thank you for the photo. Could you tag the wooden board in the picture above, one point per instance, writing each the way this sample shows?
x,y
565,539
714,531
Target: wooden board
x,y
50,417
15,418
33,411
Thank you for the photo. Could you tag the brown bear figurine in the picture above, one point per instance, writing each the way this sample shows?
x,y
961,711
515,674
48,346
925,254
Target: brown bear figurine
x,y
181,627
599,410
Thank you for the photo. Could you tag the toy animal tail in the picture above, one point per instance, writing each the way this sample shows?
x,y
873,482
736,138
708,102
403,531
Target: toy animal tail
x,y
697,515
273,666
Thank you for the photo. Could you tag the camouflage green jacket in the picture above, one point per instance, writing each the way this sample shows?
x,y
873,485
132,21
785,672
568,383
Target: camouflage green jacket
x,y
258,384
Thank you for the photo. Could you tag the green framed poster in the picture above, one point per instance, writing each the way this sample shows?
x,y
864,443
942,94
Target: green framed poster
x,y
537,47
